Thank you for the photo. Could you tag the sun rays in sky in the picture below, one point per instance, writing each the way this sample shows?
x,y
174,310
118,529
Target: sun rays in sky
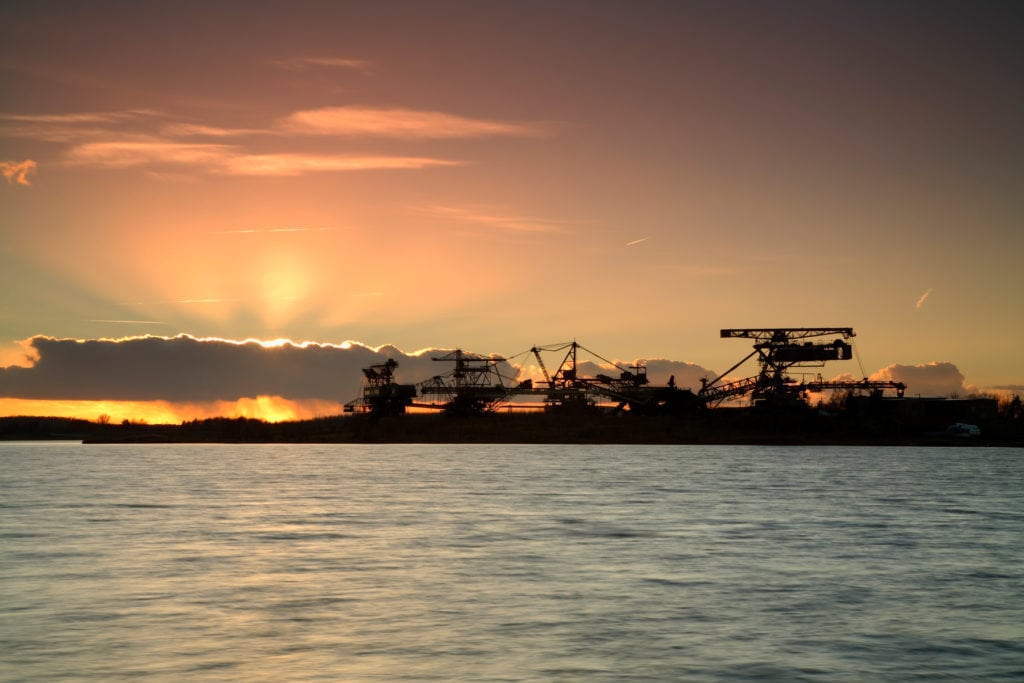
x,y
460,175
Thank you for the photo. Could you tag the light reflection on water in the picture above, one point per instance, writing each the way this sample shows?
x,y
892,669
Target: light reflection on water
x,y
510,563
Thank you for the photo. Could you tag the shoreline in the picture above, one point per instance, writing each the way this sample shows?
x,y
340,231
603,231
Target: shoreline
x,y
721,427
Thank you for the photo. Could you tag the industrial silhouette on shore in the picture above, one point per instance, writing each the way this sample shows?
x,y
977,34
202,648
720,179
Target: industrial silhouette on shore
x,y
479,384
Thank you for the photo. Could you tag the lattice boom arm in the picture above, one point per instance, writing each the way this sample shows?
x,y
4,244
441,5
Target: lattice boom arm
x,y
863,385
784,334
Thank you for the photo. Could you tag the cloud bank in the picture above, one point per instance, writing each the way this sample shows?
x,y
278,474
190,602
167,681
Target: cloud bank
x,y
928,379
190,369
186,368
686,375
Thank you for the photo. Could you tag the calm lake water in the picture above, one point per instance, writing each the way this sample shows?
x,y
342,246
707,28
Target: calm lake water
x,y
510,563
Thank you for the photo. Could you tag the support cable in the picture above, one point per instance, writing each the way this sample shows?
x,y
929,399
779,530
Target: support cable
x,y
856,354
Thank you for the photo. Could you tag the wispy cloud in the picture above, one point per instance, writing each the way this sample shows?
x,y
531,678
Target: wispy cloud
x,y
202,301
922,299
73,126
199,130
181,301
298,164
186,368
494,218
125,153
634,242
400,123
927,379
303,63
17,172
232,160
82,117
149,139
130,125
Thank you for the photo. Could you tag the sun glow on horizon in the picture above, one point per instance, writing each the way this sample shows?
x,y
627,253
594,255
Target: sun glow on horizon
x,y
266,408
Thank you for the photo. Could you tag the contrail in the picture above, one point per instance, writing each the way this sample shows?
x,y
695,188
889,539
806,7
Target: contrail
x,y
642,239
924,297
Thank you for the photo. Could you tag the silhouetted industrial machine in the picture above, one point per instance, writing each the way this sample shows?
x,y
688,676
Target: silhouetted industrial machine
x,y
475,385
381,394
567,387
779,351
479,384
873,387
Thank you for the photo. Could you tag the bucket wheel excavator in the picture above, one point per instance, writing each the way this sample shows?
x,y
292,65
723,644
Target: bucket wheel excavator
x,y
779,351
475,385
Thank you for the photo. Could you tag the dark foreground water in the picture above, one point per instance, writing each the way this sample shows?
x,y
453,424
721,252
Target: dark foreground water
x,y
510,563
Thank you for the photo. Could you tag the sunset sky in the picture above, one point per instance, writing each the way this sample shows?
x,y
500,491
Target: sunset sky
x,y
490,176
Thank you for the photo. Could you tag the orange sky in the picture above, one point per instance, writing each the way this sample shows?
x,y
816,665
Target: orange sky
x,y
490,177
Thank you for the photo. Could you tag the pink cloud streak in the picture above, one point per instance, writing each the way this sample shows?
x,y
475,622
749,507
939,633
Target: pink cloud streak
x,y
230,160
399,123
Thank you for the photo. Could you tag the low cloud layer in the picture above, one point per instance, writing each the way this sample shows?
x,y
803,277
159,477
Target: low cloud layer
x,y
928,379
185,368
188,369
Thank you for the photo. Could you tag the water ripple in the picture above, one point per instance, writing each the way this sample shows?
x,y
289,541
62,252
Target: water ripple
x,y
511,563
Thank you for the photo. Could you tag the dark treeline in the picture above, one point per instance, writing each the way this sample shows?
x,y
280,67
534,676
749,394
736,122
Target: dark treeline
x,y
906,422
